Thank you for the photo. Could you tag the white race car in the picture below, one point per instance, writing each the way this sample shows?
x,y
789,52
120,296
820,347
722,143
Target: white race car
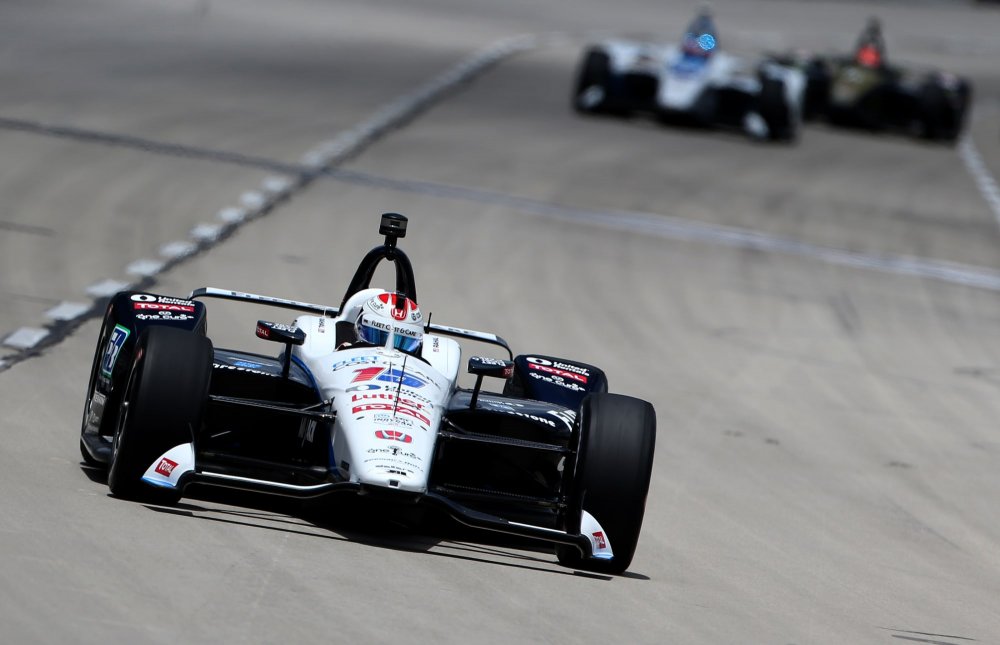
x,y
364,400
692,83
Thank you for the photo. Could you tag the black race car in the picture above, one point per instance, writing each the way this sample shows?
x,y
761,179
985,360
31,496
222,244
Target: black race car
x,y
865,91
363,399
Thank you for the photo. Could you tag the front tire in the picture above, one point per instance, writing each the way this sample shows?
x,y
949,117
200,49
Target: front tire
x,y
162,408
617,438
592,85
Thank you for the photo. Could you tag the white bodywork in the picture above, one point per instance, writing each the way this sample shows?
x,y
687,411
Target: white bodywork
x,y
388,403
683,81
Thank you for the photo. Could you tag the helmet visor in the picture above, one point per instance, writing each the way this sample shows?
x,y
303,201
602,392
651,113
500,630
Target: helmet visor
x,y
380,337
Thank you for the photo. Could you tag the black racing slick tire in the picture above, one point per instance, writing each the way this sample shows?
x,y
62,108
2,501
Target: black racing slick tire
x,y
595,72
162,408
941,118
617,438
776,112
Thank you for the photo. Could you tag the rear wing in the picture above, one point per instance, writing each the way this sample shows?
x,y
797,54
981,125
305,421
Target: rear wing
x,y
331,312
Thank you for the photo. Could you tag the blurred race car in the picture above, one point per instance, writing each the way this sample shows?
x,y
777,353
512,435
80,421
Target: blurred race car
x,y
692,83
363,399
864,91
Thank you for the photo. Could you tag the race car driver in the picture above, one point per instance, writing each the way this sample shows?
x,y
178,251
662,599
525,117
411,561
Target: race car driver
x,y
870,50
389,320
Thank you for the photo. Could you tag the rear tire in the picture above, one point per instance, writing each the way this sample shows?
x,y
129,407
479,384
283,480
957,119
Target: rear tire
x,y
162,408
940,119
781,120
614,464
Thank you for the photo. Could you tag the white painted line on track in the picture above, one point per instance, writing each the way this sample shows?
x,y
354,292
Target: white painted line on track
x,y
232,214
178,249
253,200
277,186
107,288
207,233
68,310
26,337
985,181
329,153
145,267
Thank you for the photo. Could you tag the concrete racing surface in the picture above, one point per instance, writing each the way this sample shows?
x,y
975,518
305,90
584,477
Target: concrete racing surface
x,y
818,325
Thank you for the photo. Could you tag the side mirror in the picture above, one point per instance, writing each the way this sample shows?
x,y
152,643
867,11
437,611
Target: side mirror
x,y
287,334
482,366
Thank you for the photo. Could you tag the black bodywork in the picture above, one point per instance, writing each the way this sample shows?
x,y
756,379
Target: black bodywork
x,y
931,105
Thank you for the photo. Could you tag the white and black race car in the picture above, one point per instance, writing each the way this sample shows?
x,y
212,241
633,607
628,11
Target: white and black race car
x,y
553,457
693,83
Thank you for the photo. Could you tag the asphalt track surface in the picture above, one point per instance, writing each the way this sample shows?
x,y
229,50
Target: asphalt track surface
x,y
818,326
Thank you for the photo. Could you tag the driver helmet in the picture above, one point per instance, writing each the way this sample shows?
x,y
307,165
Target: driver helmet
x,y
391,320
870,51
700,38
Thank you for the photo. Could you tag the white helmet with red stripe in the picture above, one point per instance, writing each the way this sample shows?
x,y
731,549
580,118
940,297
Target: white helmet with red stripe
x,y
391,320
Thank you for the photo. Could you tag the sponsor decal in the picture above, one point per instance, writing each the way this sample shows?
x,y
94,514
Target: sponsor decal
x,y
566,416
556,380
525,415
391,419
436,344
395,466
354,360
599,540
118,336
387,375
291,329
321,326
364,387
390,407
416,396
307,430
393,435
165,316
235,368
147,297
555,371
395,451
387,396
166,466
559,368
247,364
497,404
162,306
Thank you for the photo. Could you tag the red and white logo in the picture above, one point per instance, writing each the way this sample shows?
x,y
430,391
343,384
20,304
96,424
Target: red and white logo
x,y
165,467
397,312
599,540
394,435
159,306
558,372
